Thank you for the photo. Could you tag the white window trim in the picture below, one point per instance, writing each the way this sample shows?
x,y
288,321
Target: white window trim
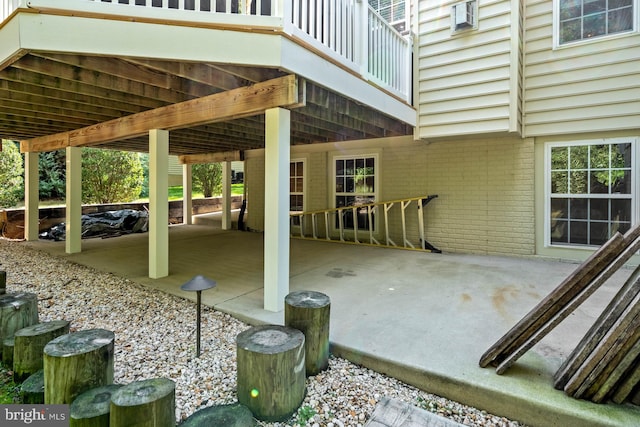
x,y
302,160
635,199
556,28
332,184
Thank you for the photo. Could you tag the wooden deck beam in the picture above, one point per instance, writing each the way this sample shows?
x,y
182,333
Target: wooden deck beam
x,y
285,92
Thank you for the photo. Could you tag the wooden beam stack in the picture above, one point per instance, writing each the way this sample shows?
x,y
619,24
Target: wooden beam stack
x,y
606,362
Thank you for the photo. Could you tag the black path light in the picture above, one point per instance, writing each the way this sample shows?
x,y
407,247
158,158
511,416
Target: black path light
x,y
198,284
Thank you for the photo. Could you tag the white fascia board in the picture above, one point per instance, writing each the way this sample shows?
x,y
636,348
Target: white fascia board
x,y
92,36
305,63
9,42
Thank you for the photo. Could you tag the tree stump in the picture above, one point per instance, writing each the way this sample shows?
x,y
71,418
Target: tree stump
x,y
17,311
77,362
92,408
146,403
234,415
309,312
32,389
271,372
29,346
7,352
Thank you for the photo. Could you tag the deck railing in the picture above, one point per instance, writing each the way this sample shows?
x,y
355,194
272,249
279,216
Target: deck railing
x,y
349,31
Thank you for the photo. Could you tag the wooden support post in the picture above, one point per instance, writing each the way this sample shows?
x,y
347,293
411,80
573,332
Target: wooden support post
x,y
309,312
31,197
77,362
29,344
271,371
158,203
17,311
32,389
233,415
150,403
92,408
73,211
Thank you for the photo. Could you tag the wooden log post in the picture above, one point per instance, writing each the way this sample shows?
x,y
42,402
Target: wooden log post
x,y
32,389
3,282
148,403
29,344
271,371
93,407
17,311
309,312
233,415
7,351
77,362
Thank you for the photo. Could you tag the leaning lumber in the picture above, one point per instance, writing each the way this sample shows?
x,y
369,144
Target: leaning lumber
x,y
271,371
395,413
29,344
232,415
602,325
550,305
77,362
563,311
92,408
616,372
626,387
309,312
32,389
149,403
612,343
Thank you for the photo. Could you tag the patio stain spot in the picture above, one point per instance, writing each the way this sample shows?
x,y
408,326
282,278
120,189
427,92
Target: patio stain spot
x,y
339,273
499,299
465,297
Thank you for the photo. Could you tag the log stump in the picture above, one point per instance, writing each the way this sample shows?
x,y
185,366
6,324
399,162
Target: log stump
x,y
146,403
32,389
271,372
17,311
92,408
234,415
77,362
29,344
309,312
7,352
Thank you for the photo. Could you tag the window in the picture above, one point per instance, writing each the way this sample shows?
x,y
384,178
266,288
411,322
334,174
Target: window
x,y
355,185
591,188
586,19
296,188
393,11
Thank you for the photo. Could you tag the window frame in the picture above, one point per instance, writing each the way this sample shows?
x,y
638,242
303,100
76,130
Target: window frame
x,y
556,27
304,188
376,186
633,195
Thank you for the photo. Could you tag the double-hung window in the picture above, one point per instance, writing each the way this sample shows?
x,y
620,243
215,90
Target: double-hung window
x,y
590,190
296,189
355,184
586,19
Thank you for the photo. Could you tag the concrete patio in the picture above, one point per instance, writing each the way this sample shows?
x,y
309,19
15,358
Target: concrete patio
x,y
421,317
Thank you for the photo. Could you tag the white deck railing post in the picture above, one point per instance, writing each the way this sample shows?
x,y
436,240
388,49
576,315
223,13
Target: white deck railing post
x,y
362,37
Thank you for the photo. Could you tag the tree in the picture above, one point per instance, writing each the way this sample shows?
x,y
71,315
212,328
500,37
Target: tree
x,y
11,170
52,172
110,176
209,177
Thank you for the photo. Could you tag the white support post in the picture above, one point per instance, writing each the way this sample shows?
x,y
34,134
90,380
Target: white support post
x,y
31,197
276,208
158,203
226,195
187,194
73,238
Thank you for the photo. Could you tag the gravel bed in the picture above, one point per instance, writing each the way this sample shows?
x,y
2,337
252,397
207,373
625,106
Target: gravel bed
x,y
155,337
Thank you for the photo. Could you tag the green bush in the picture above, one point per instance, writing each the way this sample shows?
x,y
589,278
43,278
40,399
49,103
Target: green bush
x,y
208,177
52,171
11,175
110,176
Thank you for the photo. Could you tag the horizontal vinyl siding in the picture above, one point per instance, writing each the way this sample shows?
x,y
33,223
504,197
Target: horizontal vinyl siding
x,y
465,82
586,87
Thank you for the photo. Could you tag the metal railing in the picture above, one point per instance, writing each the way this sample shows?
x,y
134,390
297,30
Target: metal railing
x,y
357,224
348,31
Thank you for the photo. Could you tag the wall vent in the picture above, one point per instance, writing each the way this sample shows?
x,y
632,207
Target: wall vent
x,y
463,15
